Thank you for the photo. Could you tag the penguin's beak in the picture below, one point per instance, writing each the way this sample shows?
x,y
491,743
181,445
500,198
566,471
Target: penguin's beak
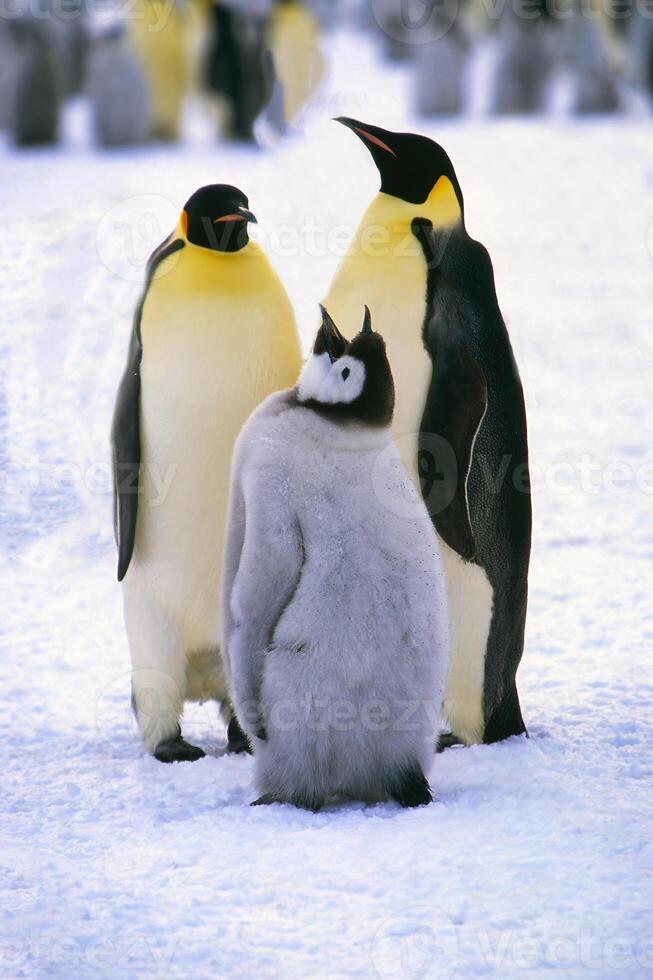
x,y
373,137
241,214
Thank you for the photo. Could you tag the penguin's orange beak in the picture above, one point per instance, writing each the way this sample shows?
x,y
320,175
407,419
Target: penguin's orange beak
x,y
242,214
365,134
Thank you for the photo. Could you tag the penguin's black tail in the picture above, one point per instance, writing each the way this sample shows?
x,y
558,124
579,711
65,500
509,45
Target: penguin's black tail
x,y
506,719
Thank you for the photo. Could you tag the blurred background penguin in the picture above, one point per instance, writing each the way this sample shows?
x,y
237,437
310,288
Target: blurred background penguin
x,y
639,34
441,63
237,70
117,88
595,56
161,33
294,43
525,63
247,70
36,87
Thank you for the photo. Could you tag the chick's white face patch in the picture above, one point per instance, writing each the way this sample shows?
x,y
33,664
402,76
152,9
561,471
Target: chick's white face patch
x,y
313,375
344,382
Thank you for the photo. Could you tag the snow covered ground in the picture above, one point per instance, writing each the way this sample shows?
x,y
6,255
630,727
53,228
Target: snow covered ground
x,y
538,856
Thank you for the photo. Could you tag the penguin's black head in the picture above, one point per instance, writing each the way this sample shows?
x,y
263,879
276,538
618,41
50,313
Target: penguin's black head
x,y
348,380
409,165
216,217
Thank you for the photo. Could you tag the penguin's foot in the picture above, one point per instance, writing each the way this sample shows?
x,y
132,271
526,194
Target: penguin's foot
x,y
178,749
237,741
410,787
447,740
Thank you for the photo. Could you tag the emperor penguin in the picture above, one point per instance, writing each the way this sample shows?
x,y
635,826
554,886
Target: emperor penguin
x,y
293,39
592,55
460,417
117,89
36,90
440,66
524,69
335,610
640,46
161,35
239,65
213,335
7,72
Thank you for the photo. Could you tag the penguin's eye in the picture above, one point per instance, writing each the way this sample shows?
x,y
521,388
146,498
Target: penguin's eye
x,y
345,374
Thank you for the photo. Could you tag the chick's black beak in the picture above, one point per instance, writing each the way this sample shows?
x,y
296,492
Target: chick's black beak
x,y
332,340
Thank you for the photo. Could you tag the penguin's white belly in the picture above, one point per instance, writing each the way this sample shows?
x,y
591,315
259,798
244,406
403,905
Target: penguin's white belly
x,y
471,600
187,438
194,400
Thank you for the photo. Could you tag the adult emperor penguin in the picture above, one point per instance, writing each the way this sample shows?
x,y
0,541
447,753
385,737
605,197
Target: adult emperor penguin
x,y
160,32
334,600
213,335
120,108
458,388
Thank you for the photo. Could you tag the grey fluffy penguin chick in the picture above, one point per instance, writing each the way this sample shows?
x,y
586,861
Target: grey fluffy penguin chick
x,y
7,72
440,69
37,89
334,598
583,50
640,42
117,89
525,65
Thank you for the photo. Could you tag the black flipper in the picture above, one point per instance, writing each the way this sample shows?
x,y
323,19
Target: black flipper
x,y
409,787
125,431
455,405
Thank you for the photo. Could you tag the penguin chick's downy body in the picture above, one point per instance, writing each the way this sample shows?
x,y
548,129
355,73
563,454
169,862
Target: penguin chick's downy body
x,y
525,64
213,336
334,600
440,68
459,412
117,89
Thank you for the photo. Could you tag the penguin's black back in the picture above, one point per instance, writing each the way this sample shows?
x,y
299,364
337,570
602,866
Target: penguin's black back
x,y
463,315
476,403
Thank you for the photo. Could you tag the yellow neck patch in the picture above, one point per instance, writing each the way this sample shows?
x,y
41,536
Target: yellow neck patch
x,y
442,206
385,229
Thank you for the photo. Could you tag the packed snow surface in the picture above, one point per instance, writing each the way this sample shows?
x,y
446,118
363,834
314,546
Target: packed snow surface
x,y
537,857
